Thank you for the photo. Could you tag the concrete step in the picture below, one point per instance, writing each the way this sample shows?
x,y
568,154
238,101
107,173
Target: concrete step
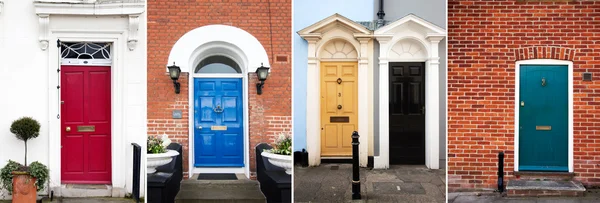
x,y
534,175
538,188
84,190
242,190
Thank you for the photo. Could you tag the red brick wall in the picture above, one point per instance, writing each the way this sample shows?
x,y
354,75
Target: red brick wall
x,y
269,113
485,39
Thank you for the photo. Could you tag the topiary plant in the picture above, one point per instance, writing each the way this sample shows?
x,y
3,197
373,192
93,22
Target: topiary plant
x,y
25,129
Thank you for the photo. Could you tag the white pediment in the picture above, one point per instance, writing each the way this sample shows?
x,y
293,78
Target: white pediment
x,y
413,23
332,22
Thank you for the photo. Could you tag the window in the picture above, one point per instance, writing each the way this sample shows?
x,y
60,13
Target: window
x,y
218,64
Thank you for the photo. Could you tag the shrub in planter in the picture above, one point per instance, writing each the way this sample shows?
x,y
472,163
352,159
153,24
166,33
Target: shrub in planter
x,y
281,154
157,154
21,180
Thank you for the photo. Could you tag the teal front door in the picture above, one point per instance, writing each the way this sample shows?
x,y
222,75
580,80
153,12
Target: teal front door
x,y
543,118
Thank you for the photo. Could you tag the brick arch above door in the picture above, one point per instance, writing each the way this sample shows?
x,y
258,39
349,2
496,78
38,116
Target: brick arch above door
x,y
545,52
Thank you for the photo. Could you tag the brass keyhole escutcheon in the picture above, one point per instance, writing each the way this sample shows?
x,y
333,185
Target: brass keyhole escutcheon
x,y
522,103
68,129
543,82
339,80
339,106
340,94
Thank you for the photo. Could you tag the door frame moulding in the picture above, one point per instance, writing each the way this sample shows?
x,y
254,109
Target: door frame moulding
x,y
118,129
410,31
333,28
569,65
224,40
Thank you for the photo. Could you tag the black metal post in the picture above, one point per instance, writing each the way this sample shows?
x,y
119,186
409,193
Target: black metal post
x,y
501,172
355,167
137,158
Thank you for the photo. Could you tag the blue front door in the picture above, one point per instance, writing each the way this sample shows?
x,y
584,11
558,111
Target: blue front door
x,y
543,118
218,122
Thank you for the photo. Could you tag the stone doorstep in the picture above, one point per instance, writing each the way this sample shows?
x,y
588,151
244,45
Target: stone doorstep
x,y
534,175
241,190
536,188
88,190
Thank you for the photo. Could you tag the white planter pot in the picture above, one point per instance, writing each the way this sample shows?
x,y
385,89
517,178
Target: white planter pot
x,y
283,161
156,160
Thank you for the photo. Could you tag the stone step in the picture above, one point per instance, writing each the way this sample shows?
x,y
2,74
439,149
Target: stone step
x,y
84,190
537,188
534,175
241,190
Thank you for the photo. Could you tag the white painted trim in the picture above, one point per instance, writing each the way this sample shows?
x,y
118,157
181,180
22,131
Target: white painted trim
x,y
118,130
45,8
66,8
220,39
218,75
430,41
86,62
569,65
316,43
411,18
235,170
313,30
200,49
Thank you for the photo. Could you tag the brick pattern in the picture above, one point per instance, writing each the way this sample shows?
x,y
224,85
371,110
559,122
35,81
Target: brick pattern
x,y
485,39
269,113
544,52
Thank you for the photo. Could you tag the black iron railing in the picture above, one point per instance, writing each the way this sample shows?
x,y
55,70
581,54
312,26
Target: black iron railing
x,y
137,162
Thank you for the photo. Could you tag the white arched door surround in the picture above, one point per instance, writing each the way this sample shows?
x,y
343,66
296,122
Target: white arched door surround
x,y
410,39
336,38
218,40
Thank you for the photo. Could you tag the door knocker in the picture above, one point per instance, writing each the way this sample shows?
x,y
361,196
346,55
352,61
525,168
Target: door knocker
x,y
339,81
339,106
543,82
218,109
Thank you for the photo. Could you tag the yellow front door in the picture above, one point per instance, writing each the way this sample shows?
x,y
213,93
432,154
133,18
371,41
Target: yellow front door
x,y
339,107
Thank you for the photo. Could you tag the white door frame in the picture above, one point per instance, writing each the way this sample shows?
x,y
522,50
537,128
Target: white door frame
x,y
246,134
210,40
118,131
569,65
410,39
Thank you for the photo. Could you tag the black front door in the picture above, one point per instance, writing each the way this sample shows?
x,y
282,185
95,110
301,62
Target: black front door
x,y
407,113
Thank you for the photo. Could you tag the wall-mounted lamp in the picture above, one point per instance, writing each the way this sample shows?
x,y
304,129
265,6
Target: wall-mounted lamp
x,y
174,72
262,73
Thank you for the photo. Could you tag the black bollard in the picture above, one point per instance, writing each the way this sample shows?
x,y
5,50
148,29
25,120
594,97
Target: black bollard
x,y
355,167
501,172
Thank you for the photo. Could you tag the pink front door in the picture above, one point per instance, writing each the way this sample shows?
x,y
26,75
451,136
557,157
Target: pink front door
x,y
85,124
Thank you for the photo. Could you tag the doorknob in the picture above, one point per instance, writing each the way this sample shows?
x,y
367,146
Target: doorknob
x,y
522,103
68,129
339,106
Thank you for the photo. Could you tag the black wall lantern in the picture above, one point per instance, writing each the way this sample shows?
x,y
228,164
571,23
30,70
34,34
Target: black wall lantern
x,y
262,73
174,72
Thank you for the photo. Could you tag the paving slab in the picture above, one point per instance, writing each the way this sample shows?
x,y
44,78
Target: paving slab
x,y
333,183
589,197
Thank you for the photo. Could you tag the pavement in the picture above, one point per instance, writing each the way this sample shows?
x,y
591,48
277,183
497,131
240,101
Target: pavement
x,y
591,195
333,183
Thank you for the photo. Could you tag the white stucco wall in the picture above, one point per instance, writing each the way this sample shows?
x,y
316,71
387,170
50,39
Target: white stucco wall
x,y
28,80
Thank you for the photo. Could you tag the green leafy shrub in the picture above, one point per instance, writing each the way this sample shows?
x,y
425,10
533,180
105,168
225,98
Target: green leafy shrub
x,y
25,129
283,145
35,169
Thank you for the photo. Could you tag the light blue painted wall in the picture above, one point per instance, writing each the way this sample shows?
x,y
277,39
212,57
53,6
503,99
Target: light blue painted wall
x,y
306,13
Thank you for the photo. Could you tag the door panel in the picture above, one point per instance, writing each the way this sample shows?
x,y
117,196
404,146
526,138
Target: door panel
x,y
86,111
338,99
544,96
406,111
218,123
